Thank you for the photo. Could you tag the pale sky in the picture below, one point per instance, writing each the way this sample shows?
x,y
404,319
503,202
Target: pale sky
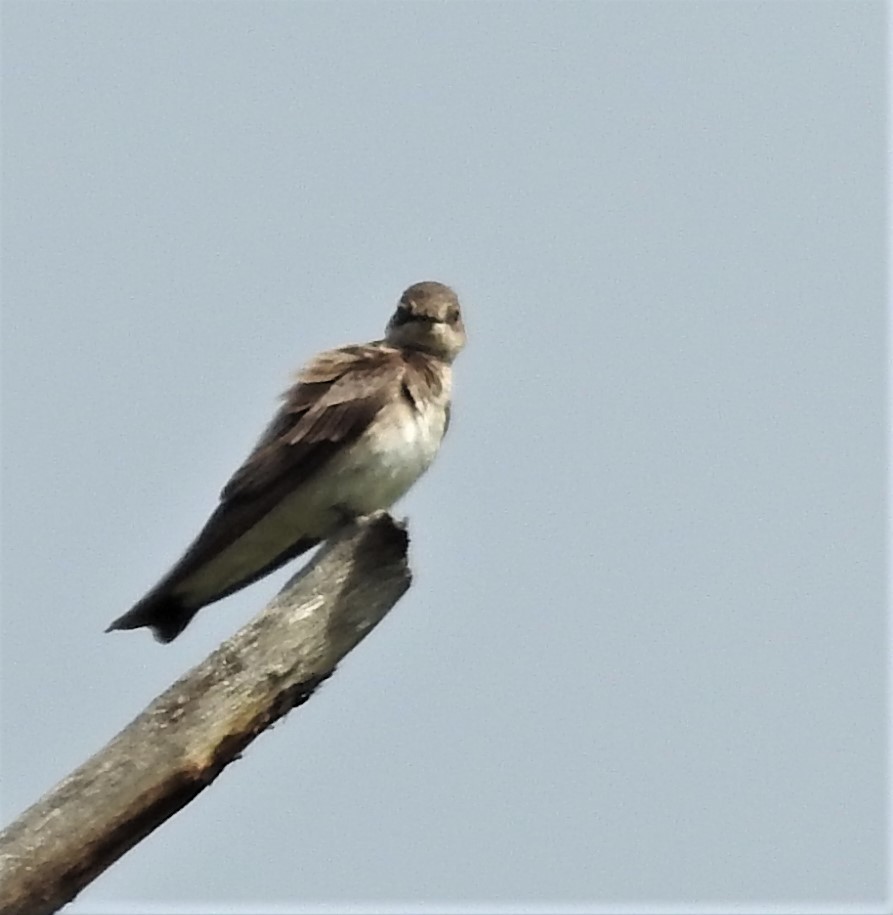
x,y
642,664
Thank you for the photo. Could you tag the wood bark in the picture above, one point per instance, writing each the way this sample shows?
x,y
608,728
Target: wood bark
x,y
184,739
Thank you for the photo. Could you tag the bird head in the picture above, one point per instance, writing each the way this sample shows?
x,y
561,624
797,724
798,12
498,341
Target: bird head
x,y
428,318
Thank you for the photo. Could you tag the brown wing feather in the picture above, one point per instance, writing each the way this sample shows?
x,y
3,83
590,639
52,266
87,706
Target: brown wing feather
x,y
336,397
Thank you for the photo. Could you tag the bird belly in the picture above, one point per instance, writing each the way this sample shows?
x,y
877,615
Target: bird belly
x,y
303,514
389,457
368,476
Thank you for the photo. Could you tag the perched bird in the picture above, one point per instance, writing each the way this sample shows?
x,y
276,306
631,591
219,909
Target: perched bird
x,y
358,428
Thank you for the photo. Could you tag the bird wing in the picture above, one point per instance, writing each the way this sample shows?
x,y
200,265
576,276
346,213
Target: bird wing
x,y
334,400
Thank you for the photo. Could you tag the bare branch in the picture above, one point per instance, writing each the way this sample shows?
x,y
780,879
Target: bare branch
x,y
185,738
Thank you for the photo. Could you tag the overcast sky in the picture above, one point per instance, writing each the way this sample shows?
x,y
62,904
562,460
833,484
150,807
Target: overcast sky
x,y
642,664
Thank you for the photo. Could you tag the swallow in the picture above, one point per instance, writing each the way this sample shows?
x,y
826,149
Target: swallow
x,y
359,426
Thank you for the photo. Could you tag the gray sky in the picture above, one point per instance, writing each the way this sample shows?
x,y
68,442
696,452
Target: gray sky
x,y
642,663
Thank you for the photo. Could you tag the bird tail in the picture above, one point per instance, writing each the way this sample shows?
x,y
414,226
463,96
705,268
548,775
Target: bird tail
x,y
165,614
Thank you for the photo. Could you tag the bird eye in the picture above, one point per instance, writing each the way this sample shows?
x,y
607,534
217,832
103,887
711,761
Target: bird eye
x,y
402,315
453,314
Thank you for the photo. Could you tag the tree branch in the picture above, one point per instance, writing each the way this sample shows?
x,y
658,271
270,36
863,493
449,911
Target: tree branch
x,y
184,739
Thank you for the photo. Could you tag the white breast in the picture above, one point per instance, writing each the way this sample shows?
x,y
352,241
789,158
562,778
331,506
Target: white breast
x,y
390,456
370,475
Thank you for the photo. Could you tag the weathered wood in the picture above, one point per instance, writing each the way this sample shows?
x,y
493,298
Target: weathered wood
x,y
184,739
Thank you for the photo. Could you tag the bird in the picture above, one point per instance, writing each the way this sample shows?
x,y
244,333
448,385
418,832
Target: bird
x,y
358,427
